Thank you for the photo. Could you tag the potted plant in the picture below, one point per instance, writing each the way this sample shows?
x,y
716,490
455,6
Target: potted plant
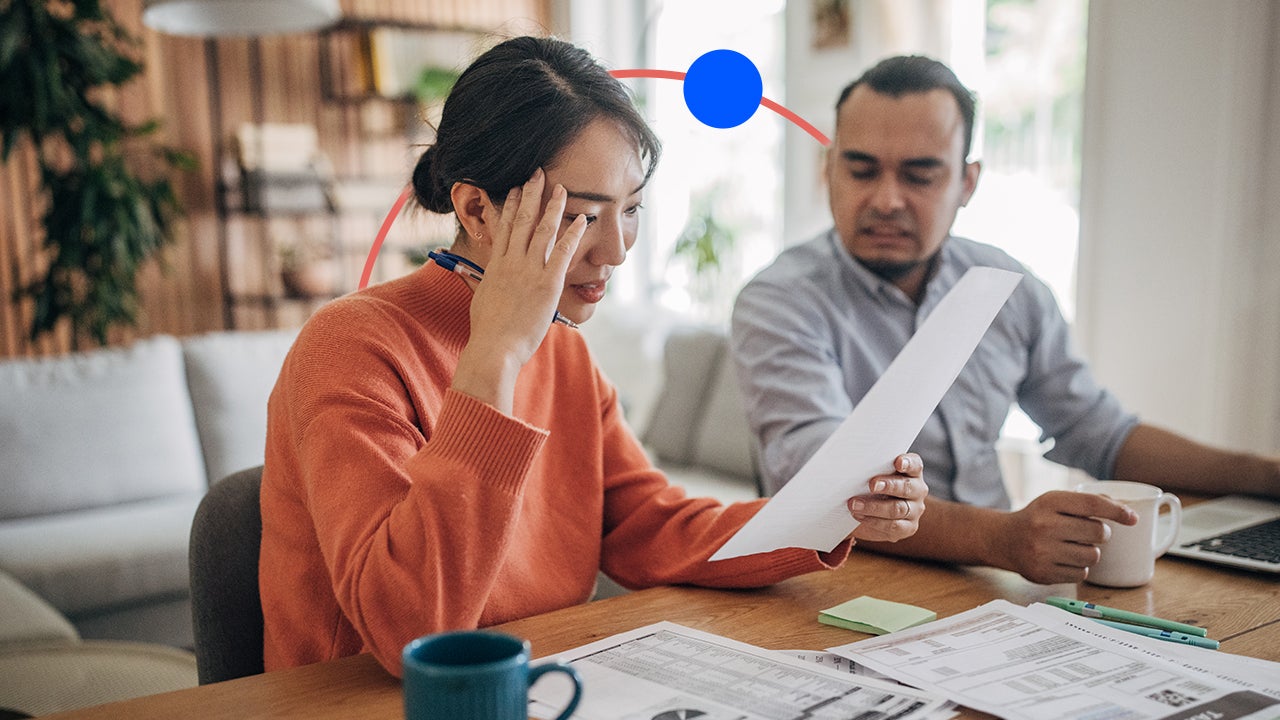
x,y
705,247
307,270
102,220
434,84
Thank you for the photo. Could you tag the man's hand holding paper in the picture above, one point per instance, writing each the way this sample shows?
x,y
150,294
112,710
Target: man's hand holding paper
x,y
892,510
816,509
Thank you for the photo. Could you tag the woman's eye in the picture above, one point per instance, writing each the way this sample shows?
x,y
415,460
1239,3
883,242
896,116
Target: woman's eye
x,y
591,219
633,210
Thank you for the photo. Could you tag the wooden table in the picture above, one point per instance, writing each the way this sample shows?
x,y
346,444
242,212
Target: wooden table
x,y
1240,609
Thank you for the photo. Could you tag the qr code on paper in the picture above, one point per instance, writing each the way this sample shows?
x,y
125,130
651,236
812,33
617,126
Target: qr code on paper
x,y
1172,698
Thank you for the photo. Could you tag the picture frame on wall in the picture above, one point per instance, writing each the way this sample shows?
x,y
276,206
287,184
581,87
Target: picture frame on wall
x,y
832,24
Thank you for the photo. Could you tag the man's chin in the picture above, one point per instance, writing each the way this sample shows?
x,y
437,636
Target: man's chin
x,y
890,270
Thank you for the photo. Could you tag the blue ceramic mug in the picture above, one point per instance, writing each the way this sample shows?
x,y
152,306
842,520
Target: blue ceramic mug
x,y
474,675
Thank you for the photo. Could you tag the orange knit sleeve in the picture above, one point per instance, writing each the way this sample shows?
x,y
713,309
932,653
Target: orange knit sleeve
x,y
655,535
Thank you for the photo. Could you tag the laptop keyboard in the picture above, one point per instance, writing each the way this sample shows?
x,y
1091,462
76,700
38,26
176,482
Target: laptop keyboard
x,y
1256,542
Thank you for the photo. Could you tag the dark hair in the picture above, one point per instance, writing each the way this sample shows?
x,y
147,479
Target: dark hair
x,y
513,110
903,74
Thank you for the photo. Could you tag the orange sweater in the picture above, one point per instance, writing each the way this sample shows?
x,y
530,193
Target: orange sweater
x,y
394,507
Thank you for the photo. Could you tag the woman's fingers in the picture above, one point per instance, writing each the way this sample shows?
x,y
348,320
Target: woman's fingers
x,y
526,214
560,254
506,219
544,235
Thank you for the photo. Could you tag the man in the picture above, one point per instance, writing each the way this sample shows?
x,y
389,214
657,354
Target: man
x,y
813,331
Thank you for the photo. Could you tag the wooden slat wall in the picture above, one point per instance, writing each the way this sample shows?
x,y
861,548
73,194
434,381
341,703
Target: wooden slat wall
x,y
182,293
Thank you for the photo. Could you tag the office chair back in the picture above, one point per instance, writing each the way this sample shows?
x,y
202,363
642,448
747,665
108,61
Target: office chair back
x,y
225,603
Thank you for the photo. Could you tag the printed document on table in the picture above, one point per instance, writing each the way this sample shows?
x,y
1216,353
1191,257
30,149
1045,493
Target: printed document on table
x,y
667,671
810,511
1042,663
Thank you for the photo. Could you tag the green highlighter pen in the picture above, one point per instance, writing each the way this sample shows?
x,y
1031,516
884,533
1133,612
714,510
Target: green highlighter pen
x,y
1158,634
1090,610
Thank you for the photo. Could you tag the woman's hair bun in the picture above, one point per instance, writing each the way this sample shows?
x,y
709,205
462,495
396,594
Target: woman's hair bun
x,y
428,186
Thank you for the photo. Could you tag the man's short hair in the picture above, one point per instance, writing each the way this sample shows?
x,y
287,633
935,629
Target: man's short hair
x,y
903,74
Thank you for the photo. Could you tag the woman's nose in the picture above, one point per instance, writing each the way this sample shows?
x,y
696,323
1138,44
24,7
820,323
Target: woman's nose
x,y
609,246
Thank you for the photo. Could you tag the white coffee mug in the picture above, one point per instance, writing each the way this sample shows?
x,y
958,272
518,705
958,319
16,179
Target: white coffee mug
x,y
1129,557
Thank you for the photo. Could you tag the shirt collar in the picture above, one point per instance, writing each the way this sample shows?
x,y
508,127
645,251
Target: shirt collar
x,y
944,277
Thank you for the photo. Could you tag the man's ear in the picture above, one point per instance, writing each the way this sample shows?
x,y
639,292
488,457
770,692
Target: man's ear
x,y
970,179
472,206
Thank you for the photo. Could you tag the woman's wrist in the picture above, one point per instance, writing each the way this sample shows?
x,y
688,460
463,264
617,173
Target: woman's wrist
x,y
489,377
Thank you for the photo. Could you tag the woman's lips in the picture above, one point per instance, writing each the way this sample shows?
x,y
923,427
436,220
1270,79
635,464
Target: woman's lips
x,y
592,292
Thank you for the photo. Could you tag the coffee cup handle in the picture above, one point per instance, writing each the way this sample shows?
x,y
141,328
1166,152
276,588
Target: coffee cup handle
x,y
1175,522
538,671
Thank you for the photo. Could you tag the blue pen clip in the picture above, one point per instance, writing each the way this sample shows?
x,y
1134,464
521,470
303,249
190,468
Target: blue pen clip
x,y
467,268
456,263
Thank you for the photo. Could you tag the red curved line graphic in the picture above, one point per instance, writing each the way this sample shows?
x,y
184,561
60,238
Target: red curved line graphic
x,y
677,75
382,235
642,73
621,75
799,121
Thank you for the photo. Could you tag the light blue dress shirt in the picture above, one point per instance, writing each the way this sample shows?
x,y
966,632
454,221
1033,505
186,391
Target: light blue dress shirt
x,y
812,333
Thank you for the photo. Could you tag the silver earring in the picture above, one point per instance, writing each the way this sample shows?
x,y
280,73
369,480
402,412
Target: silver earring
x,y
479,235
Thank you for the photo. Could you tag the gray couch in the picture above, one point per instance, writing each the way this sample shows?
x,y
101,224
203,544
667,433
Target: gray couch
x,y
103,458
697,430
105,454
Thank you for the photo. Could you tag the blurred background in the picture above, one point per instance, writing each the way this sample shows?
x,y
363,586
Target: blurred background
x,y
1130,148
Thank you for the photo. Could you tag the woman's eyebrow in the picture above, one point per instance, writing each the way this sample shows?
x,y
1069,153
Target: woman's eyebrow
x,y
598,197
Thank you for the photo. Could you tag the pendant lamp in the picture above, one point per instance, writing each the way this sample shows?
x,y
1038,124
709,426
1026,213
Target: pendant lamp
x,y
225,18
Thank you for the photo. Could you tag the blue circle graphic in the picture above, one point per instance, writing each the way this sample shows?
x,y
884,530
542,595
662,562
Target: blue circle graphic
x,y
723,88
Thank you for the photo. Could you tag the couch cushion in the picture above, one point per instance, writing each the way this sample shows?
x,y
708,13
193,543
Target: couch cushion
x,y
722,441
689,361
701,482
96,428
40,680
230,376
84,561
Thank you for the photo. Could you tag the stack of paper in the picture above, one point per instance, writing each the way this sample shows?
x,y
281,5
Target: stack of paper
x,y
1039,662
667,671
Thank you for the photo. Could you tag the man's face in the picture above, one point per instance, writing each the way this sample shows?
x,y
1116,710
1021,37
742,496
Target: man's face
x,y
897,177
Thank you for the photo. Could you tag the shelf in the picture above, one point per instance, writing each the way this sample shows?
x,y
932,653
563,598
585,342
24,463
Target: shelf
x,y
368,71
371,23
369,59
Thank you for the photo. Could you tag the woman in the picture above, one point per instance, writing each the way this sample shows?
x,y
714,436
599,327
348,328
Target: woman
x,y
440,453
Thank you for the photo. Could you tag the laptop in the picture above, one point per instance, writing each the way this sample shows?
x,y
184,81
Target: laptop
x,y
1235,530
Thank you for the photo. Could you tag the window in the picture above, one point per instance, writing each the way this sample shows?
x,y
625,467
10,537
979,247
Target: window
x,y
1030,94
717,193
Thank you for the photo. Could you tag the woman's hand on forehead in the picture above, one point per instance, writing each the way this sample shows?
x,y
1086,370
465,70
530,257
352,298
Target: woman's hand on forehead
x,y
513,307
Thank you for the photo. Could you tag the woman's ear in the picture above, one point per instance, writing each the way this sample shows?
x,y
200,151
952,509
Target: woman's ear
x,y
472,206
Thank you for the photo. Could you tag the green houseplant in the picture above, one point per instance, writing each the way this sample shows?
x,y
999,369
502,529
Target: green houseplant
x,y
706,248
102,219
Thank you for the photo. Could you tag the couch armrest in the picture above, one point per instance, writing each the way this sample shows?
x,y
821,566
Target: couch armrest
x,y
29,619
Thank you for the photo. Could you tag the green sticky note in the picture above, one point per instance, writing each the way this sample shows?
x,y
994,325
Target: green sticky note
x,y
875,616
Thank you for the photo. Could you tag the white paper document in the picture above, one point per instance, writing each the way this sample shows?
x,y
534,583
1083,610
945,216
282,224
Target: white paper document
x,y
1042,663
667,671
810,511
